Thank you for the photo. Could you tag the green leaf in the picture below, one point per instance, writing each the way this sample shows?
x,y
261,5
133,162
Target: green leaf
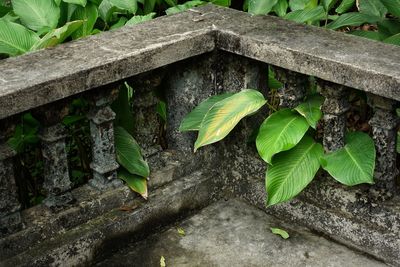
x,y
89,15
15,39
162,262
225,3
183,7
311,110
389,27
149,6
122,109
72,119
368,34
297,4
192,121
225,114
344,6
354,163
4,10
139,19
106,10
398,143
393,6
121,22
171,2
261,7
281,7
135,182
305,15
38,15
128,153
273,83
181,232
373,8
57,36
394,39
293,170
328,4
129,5
161,110
279,132
352,19
280,232
77,2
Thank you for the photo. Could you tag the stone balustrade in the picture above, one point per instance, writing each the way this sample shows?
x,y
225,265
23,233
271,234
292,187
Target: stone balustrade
x,y
194,55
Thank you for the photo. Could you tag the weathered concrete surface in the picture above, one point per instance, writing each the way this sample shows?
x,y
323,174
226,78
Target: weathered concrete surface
x,y
333,56
40,223
233,233
91,62
79,245
346,216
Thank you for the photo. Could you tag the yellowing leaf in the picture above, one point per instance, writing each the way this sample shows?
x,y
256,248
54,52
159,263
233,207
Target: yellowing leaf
x,y
280,232
181,231
162,262
225,114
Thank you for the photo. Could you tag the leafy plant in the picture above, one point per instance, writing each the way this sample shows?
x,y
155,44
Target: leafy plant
x,y
284,142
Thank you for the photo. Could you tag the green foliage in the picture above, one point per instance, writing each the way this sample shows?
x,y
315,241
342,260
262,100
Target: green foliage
x,y
354,163
223,116
280,132
293,170
293,157
183,7
261,7
15,39
280,232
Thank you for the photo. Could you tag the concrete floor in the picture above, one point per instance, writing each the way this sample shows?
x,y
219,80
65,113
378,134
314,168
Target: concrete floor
x,y
233,233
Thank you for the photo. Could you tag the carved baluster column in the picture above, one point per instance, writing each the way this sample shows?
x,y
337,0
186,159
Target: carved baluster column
x,y
55,160
294,87
104,164
384,125
334,108
10,218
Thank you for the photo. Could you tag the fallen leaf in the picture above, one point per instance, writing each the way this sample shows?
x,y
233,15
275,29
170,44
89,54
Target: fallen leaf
x,y
280,232
181,231
162,262
127,208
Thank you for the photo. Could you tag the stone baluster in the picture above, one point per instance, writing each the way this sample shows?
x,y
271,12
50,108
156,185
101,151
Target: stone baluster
x,y
10,218
384,125
294,87
55,160
334,108
104,164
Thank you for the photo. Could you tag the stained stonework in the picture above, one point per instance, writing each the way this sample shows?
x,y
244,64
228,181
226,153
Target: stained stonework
x,y
294,88
334,109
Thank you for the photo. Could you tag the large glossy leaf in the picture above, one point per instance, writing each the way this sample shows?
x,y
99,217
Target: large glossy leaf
x,y
38,15
261,7
369,34
183,7
106,10
281,7
122,109
135,182
121,22
129,5
139,19
345,5
328,4
354,163
279,132
298,4
15,39
77,2
225,3
352,19
128,153
293,170
4,10
192,121
389,27
311,109
373,7
149,6
89,15
225,114
393,6
306,15
394,39
57,36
